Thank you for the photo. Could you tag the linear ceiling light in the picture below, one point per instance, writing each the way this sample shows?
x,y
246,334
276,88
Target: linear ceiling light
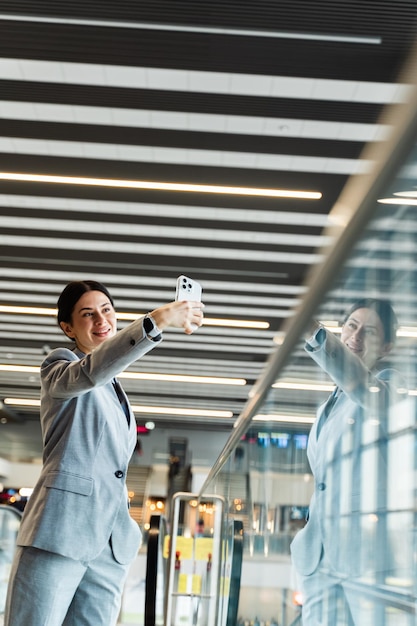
x,y
183,378
304,386
363,39
161,186
407,331
27,310
226,323
406,194
212,321
27,369
21,402
294,419
137,408
209,321
167,410
398,201
174,378
401,197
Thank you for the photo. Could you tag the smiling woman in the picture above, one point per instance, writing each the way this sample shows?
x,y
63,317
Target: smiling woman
x,y
77,539
92,319
325,553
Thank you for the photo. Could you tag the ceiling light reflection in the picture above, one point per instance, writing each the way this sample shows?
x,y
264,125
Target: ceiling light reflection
x,y
398,201
304,386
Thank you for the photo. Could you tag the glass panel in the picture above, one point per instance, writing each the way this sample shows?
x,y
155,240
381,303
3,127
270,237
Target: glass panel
x,y
329,432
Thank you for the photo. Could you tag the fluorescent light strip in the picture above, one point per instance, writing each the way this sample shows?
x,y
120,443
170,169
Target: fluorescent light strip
x,y
166,410
202,380
26,369
21,402
406,194
364,39
402,197
399,201
290,419
161,186
235,323
180,378
30,310
208,321
407,331
304,386
162,410
27,310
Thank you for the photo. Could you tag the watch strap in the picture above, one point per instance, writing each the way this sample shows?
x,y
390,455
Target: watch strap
x,y
150,328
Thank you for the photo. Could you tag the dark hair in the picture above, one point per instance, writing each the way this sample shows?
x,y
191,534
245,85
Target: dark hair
x,y
384,311
72,293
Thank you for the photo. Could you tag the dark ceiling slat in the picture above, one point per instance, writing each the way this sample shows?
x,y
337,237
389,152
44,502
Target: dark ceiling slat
x,y
274,275
325,16
108,261
190,102
180,139
199,51
77,217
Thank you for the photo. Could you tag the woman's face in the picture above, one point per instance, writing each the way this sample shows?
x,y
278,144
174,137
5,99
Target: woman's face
x,y
363,334
93,321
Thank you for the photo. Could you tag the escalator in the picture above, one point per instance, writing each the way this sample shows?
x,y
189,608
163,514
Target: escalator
x,y
9,527
197,591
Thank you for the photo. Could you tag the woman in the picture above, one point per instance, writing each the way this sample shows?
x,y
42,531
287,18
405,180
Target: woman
x,y
77,539
330,551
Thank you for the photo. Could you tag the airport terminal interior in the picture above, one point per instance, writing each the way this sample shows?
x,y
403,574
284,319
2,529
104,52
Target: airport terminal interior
x,y
268,150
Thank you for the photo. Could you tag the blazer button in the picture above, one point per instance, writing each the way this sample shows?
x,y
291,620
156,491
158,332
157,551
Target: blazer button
x,y
132,342
119,474
321,486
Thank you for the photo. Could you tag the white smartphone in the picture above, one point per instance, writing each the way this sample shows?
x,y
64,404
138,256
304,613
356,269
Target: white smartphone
x,y
188,289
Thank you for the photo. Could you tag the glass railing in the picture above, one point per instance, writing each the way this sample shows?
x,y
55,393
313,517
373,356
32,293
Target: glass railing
x,y
355,559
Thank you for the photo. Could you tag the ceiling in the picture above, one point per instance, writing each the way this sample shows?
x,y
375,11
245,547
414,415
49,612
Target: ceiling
x,y
261,94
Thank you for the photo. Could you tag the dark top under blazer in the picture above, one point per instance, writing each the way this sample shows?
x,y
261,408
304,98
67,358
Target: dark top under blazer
x,y
80,501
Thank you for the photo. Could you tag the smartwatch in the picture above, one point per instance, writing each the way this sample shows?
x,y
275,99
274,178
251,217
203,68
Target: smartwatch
x,y
151,329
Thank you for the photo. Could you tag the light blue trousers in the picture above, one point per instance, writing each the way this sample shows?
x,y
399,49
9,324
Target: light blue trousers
x,y
47,589
330,601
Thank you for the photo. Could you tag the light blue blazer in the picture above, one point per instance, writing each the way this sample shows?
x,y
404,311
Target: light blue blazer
x,y
80,501
334,454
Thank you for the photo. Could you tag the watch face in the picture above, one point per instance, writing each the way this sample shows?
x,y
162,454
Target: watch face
x,y
148,325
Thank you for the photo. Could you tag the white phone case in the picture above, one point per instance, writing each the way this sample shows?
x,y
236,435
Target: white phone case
x,y
188,289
